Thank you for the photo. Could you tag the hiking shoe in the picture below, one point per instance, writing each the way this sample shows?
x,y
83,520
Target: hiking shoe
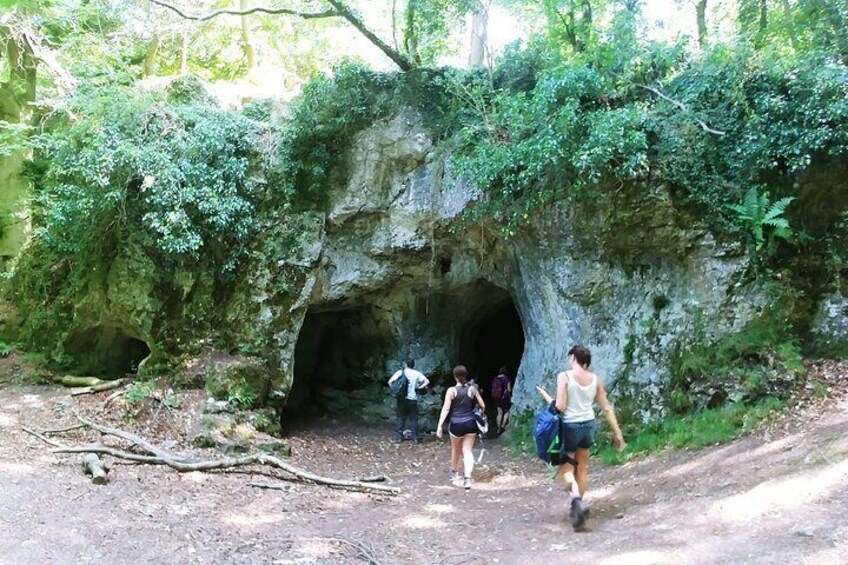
x,y
466,483
579,513
395,439
453,476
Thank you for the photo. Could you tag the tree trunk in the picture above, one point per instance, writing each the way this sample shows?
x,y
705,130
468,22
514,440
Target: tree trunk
x,y
183,53
701,14
246,45
16,97
150,56
74,381
479,35
410,37
789,21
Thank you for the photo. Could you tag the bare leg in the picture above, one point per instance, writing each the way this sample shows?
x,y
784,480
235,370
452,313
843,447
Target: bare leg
x,y
468,457
578,513
456,453
569,480
500,419
582,473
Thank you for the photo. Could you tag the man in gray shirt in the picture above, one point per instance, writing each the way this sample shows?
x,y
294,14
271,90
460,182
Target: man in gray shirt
x,y
408,407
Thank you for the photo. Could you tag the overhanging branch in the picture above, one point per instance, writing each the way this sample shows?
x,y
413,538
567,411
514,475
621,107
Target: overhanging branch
x,y
683,107
339,10
247,12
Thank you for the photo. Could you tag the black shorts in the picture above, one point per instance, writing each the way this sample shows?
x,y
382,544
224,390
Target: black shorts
x,y
459,429
578,435
505,404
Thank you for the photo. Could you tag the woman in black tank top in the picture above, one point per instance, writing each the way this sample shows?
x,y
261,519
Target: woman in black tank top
x,y
460,402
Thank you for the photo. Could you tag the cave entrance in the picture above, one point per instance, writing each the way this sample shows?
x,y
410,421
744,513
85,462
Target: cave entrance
x,y
492,334
338,361
108,351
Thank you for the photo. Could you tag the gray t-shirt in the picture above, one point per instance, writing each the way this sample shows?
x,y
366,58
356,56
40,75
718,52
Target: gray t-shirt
x,y
414,381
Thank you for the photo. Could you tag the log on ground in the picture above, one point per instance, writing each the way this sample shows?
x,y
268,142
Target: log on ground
x,y
92,465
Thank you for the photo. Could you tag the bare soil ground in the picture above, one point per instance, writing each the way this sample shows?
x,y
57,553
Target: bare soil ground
x,y
780,495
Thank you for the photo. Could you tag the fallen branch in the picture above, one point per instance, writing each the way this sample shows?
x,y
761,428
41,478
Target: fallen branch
x,y
683,107
112,397
138,441
64,429
229,463
108,385
284,488
156,456
72,381
43,438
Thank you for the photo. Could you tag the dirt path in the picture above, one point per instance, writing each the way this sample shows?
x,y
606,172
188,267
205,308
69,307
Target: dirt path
x,y
775,497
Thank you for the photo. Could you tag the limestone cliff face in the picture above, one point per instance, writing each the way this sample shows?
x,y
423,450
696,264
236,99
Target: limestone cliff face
x,y
399,274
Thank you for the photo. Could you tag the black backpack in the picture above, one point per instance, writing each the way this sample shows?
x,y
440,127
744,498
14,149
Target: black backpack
x,y
399,386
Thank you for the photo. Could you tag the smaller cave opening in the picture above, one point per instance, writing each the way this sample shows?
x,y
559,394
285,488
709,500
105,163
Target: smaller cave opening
x,y
445,264
338,362
108,351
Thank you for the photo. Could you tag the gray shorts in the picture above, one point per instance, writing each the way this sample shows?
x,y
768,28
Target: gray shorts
x,y
578,435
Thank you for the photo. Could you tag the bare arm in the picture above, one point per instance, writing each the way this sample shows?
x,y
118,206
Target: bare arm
x,y
562,392
445,410
609,414
544,394
479,398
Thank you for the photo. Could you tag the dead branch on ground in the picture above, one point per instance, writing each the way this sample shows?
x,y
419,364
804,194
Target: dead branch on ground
x,y
153,455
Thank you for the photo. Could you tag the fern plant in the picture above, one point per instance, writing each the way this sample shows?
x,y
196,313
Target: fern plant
x,y
762,217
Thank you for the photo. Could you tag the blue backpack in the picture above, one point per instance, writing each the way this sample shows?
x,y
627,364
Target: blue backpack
x,y
547,433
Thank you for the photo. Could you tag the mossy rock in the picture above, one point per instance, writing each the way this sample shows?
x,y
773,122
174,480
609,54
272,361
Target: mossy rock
x,y
241,381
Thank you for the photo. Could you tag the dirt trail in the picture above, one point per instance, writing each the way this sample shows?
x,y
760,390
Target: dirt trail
x,y
771,498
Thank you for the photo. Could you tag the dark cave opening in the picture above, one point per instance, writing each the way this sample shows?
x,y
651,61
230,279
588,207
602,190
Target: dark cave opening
x,y
338,358
108,351
492,335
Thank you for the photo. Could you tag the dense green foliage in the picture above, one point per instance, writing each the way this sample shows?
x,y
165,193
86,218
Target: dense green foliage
x,y
584,124
173,177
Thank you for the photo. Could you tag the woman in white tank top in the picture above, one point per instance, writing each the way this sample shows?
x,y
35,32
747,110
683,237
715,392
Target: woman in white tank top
x,y
577,389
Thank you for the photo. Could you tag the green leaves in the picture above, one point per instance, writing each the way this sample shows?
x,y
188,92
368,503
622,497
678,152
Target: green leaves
x,y
175,177
757,213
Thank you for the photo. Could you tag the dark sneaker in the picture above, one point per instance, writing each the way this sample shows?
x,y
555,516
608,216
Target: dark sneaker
x,y
579,513
466,483
395,439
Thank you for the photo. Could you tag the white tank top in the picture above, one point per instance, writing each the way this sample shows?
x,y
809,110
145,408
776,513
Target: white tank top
x,y
580,399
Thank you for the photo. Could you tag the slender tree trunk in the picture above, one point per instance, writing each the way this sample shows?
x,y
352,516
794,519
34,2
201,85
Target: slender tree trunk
x,y
479,35
789,21
246,45
701,15
763,24
410,34
183,53
150,56
16,97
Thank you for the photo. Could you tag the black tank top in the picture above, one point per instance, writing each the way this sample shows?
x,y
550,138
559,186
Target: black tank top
x,y
462,407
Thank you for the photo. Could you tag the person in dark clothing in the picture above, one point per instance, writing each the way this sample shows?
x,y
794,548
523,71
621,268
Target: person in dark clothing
x,y
460,401
407,409
502,396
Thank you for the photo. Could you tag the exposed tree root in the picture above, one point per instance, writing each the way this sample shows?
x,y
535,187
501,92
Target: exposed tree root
x,y
153,455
